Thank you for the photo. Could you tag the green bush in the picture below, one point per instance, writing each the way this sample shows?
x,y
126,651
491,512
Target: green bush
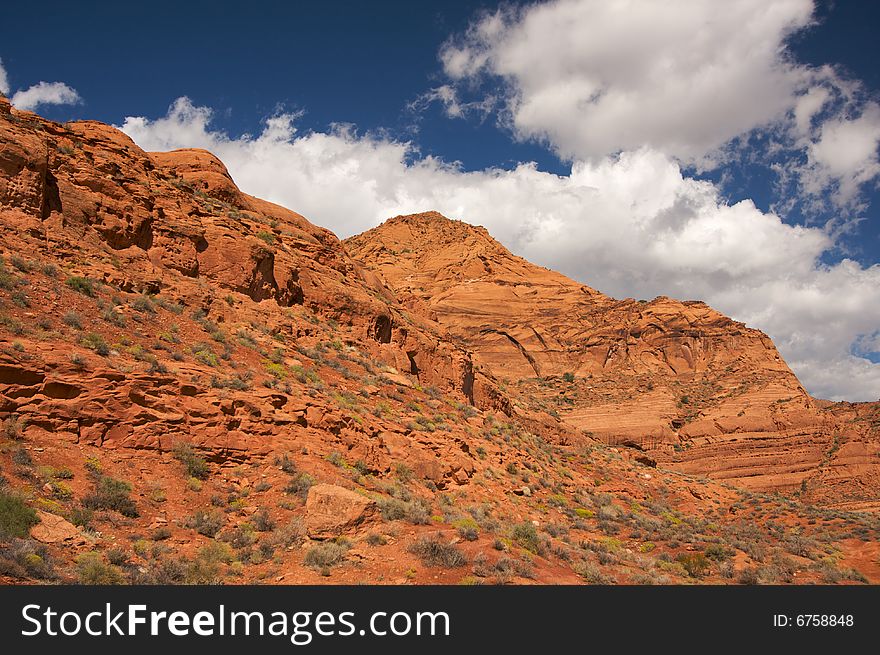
x,y
96,342
16,518
25,558
143,304
526,535
111,494
696,564
592,574
719,552
300,484
195,465
467,528
415,511
83,285
207,523
91,570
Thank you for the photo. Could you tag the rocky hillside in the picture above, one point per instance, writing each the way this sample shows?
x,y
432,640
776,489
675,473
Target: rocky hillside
x,y
693,389
200,386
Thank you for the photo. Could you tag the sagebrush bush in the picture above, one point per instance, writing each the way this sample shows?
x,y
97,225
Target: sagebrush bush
x,y
526,535
16,518
195,465
415,511
432,551
111,494
205,522
92,570
325,555
25,558
82,285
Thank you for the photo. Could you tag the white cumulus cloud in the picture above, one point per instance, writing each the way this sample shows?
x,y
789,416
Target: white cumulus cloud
x,y
4,80
592,78
629,224
45,93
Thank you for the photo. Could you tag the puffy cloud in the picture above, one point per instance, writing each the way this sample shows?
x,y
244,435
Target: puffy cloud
x,y
844,155
594,77
629,224
4,80
45,93
688,78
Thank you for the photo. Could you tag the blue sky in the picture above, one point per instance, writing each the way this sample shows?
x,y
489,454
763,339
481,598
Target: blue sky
x,y
716,151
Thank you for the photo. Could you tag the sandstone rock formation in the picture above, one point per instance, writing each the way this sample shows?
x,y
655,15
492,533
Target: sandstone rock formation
x,y
195,382
692,388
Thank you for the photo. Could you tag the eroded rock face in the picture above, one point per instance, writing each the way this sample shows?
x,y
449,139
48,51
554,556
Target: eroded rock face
x,y
332,511
695,389
203,357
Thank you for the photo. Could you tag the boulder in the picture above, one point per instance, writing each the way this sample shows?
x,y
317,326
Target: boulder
x,y
54,529
332,511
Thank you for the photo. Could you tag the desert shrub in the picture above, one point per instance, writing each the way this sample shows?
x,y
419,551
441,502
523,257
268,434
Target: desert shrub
x,y
143,304
25,558
748,576
526,535
205,522
205,567
83,285
696,564
161,533
94,341
403,472
325,555
13,427
240,537
92,570
801,545
204,354
507,567
22,457
263,522
167,571
376,539
719,552
72,319
194,464
304,375
292,533
415,511
467,528
111,494
568,377
300,484
16,518
592,573
117,556
434,552
20,263
286,464
81,516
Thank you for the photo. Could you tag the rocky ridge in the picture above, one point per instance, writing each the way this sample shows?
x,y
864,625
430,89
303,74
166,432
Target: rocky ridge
x,y
686,385
199,386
